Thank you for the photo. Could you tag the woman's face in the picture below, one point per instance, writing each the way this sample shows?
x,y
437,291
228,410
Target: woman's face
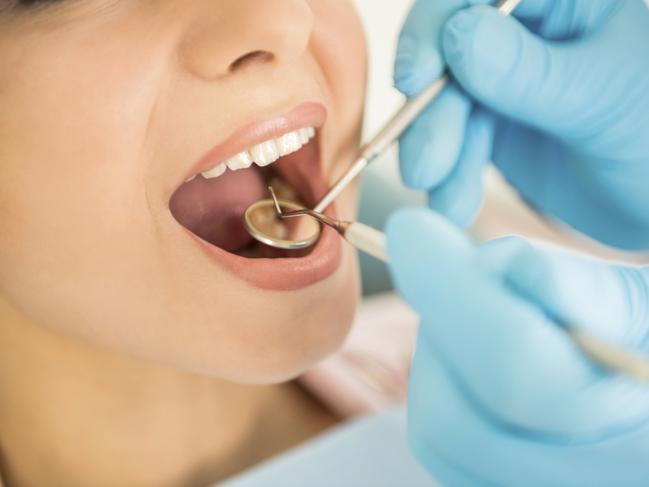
x,y
108,107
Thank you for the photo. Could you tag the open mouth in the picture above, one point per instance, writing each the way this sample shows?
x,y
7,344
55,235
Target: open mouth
x,y
212,203
283,153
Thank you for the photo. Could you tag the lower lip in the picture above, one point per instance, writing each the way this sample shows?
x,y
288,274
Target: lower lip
x,y
282,274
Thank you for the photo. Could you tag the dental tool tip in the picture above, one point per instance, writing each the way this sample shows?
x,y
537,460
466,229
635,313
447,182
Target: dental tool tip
x,y
278,207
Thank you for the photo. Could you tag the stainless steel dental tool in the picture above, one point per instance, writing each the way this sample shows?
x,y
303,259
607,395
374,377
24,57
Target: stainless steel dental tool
x,y
387,136
361,236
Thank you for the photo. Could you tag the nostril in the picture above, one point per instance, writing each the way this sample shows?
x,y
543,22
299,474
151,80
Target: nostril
x,y
254,57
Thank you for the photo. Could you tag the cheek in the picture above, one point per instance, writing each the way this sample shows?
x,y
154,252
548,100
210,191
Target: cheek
x,y
69,148
295,337
71,172
338,43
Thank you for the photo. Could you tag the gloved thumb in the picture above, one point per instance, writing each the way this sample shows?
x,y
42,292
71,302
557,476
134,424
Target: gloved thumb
x,y
514,72
608,301
426,252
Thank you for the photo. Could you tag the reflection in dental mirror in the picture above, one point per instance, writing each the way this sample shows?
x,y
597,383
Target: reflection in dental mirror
x,y
263,222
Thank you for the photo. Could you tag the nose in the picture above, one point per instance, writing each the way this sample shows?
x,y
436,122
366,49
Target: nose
x,y
230,35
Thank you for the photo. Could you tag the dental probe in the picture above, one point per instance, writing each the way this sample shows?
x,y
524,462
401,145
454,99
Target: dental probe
x,y
393,129
610,356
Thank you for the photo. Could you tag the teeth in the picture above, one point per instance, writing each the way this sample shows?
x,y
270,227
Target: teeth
x,y
303,135
215,172
263,154
289,143
240,161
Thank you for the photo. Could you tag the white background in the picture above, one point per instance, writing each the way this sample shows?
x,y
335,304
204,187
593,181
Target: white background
x,y
382,20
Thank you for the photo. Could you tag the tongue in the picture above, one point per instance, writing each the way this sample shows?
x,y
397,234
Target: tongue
x,y
213,208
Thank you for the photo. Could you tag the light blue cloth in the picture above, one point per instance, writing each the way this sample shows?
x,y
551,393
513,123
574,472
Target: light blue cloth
x,y
368,452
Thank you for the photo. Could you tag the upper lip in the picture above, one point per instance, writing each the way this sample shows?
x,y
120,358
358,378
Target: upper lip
x,y
307,114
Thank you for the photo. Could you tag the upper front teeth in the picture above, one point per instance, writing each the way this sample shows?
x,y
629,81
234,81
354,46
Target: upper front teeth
x,y
265,153
240,161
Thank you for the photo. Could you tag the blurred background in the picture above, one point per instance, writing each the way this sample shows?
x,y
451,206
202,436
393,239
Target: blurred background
x,y
382,20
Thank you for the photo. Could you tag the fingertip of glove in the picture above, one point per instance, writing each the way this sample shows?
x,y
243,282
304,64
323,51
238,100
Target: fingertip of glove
x,y
404,65
410,166
458,32
416,65
459,199
426,160
473,42
412,163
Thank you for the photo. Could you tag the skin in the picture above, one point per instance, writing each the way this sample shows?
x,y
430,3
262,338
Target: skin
x,y
107,309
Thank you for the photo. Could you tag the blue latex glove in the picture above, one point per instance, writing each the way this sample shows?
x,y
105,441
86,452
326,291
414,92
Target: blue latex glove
x,y
557,98
499,394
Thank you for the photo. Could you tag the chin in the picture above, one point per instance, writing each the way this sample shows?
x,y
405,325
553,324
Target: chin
x,y
300,342
276,336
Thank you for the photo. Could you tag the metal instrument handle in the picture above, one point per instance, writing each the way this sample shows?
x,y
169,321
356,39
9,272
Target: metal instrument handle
x,y
393,129
367,239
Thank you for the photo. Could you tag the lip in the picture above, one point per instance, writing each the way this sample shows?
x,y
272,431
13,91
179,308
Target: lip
x,y
307,114
281,273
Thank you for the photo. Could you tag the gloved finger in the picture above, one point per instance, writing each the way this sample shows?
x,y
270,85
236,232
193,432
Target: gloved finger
x,y
512,357
609,301
419,60
446,426
430,147
554,180
564,19
460,197
512,71
567,19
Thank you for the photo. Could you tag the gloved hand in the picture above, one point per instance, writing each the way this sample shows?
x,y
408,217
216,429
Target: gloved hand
x,y
499,394
557,98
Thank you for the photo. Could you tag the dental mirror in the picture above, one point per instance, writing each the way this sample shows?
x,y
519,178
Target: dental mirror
x,y
263,222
